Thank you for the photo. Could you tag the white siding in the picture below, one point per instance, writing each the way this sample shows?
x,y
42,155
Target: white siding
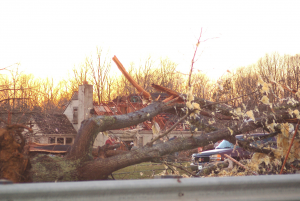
x,y
100,140
69,112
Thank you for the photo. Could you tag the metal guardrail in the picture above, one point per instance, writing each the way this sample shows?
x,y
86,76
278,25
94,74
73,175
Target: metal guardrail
x,y
274,187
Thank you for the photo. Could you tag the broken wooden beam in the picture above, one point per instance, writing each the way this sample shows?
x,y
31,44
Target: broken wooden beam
x,y
140,89
167,90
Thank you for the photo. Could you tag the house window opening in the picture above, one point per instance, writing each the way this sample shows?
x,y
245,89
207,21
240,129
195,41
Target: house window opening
x,y
51,140
60,140
69,140
75,115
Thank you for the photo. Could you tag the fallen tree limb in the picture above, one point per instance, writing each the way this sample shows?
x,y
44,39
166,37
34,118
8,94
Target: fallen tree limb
x,y
83,167
89,130
146,153
240,164
169,130
210,168
101,152
245,144
184,169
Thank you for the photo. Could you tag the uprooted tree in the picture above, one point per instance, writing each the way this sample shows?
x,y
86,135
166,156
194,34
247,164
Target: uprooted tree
x,y
79,165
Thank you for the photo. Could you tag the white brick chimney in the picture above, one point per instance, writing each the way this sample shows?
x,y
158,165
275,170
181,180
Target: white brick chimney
x,y
85,101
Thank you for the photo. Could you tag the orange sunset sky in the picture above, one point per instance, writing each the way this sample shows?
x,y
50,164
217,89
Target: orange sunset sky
x,y
48,38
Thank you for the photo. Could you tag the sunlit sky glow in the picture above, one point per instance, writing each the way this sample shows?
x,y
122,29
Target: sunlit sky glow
x,y
48,38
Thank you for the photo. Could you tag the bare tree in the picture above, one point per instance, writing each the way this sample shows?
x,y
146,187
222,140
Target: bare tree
x,y
99,73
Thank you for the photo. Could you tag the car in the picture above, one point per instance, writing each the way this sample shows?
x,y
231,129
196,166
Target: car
x,y
200,160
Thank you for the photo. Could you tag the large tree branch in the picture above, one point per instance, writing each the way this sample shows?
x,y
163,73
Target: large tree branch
x,y
89,130
224,109
101,168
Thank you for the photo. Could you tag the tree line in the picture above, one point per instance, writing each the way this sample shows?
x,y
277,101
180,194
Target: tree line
x,y
24,92
279,70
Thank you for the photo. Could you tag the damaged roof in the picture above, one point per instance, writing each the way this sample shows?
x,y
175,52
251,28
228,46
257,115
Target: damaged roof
x,y
47,123
53,123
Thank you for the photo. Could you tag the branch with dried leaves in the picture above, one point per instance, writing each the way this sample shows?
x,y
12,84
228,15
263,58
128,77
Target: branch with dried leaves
x,y
232,99
182,168
169,130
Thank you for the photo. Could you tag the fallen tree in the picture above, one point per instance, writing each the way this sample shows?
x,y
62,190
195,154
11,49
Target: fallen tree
x,y
79,164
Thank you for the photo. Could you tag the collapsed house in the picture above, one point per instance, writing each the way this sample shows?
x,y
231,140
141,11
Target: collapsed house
x,y
60,130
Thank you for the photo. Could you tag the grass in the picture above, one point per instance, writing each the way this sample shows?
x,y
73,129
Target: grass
x,y
146,170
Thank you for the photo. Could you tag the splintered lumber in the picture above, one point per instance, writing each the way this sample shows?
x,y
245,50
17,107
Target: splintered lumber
x,y
167,90
140,89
